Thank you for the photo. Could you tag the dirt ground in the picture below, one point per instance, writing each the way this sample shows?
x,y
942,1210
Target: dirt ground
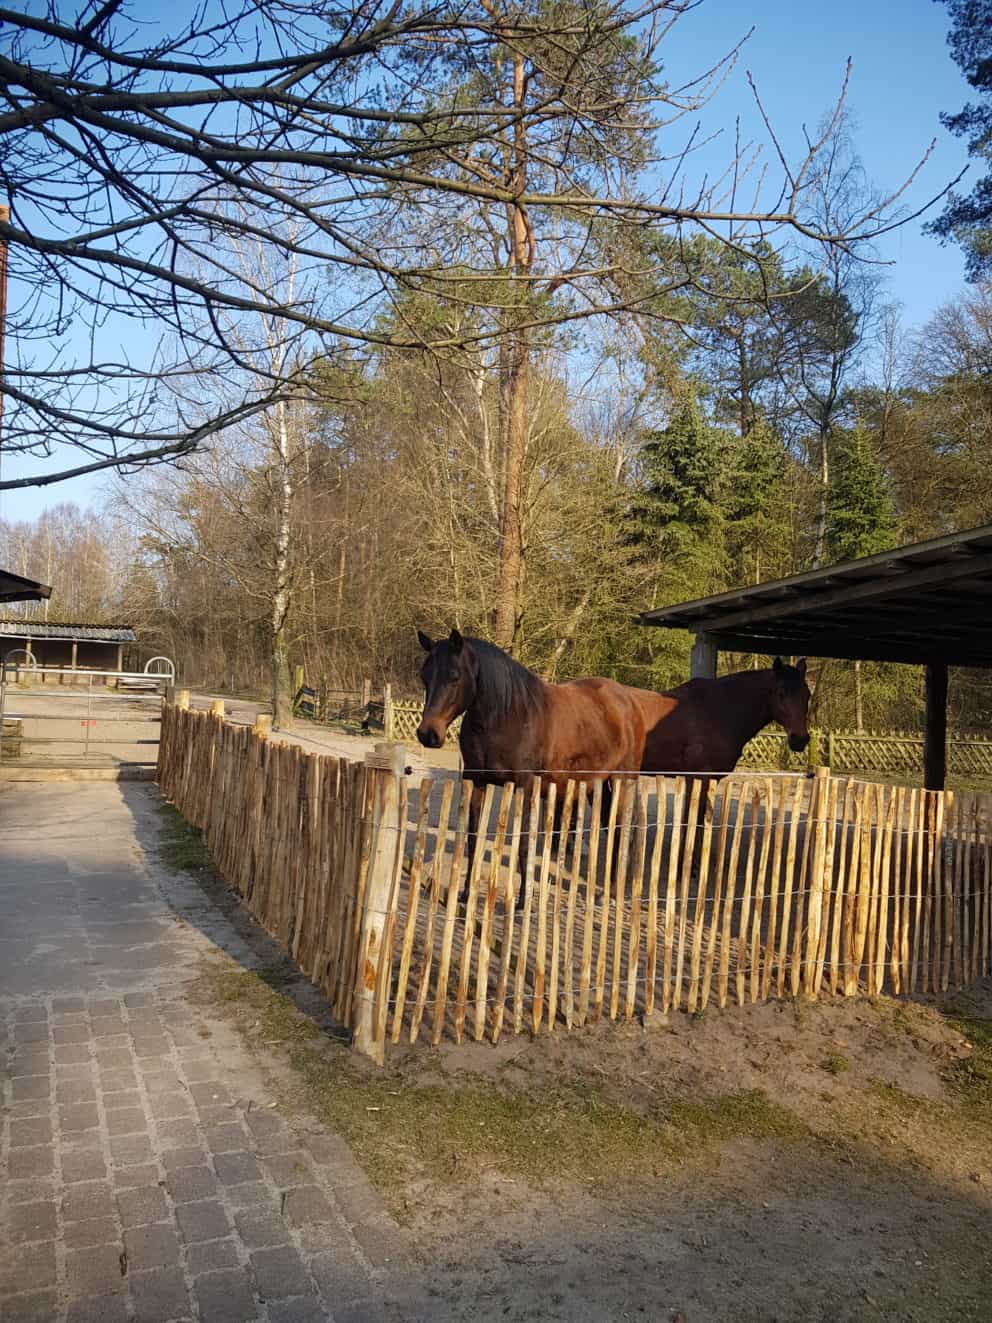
x,y
785,1162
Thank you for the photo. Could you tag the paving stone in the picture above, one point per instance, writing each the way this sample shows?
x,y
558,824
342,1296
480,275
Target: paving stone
x,y
30,1011
33,1033
307,1203
154,1045
203,1069
35,1307
280,1272
328,1150
68,1004
169,1106
113,1058
35,1161
205,1220
75,1091
188,1184
68,1033
272,1135
236,1168
100,1006
249,1195
225,1297
129,1149
340,1276
229,1138
210,1092
97,1231
99,1309
93,1270
304,1309
260,1228
28,1192
152,1247
180,1133
112,1081
140,999
86,1200
83,1165
161,1081
30,1130
69,1017
79,1116
27,1267
127,1121
29,1061
33,1221
72,1054
139,1206
173,1158
289,1169
379,1242
211,1256
160,1295
28,1087
145,1173
107,1026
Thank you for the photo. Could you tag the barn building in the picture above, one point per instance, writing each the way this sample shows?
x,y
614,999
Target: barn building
x,y
73,646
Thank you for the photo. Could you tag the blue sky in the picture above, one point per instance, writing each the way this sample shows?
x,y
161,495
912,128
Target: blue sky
x,y
902,78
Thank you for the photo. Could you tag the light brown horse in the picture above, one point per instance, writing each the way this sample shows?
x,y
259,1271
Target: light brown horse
x,y
516,726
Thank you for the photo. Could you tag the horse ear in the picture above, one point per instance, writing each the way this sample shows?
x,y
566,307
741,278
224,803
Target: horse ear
x,y
455,641
801,668
425,642
777,665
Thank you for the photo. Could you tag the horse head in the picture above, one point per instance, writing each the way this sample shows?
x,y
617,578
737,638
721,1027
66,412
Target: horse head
x,y
449,685
790,702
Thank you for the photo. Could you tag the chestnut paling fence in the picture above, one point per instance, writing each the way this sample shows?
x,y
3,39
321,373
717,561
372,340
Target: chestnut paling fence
x,y
668,894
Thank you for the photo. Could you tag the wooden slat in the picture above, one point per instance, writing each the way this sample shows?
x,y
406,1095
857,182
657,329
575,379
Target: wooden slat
x,y
491,891
564,838
541,962
599,988
627,800
688,850
744,924
413,905
509,916
451,913
588,931
788,888
636,894
530,865
703,885
437,872
571,899
759,966
679,809
727,801
654,877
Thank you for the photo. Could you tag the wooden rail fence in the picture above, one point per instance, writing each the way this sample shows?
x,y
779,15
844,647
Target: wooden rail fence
x,y
666,895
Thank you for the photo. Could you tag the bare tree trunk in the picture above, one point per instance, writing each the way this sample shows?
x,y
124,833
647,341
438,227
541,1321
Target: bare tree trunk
x,y
568,633
820,547
282,697
511,539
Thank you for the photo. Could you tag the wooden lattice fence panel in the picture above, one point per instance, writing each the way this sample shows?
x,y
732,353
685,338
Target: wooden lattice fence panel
x,y
405,718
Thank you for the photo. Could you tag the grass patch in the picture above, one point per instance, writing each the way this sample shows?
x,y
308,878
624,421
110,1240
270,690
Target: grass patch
x,y
971,1078
181,846
836,1064
404,1123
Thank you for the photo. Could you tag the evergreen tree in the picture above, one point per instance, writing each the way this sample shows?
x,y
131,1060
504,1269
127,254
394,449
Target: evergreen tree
x,y
758,531
860,515
969,219
675,518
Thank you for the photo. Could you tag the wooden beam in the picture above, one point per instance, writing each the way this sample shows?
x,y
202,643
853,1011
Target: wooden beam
x,y
854,648
702,664
935,739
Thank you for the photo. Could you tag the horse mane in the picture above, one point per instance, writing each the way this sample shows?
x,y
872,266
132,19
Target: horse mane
x,y
503,684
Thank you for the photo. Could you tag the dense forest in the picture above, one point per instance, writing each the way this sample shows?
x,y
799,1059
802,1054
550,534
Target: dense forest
x,y
533,456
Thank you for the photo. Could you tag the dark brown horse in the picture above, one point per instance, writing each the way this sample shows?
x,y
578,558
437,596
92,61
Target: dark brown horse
x,y
517,726
703,726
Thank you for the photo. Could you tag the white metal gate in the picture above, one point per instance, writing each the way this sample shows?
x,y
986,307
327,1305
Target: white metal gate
x,y
59,718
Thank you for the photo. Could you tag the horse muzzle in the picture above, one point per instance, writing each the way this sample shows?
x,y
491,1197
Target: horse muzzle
x,y
429,736
798,743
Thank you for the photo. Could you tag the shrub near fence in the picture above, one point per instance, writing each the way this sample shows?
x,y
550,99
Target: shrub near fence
x,y
679,897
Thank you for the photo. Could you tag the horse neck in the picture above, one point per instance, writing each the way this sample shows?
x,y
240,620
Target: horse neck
x,y
752,710
483,714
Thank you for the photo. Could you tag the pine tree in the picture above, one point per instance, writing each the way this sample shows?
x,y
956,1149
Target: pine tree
x,y
675,519
758,529
860,515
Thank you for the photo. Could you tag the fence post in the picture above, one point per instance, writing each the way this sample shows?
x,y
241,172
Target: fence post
x,y
366,692
182,699
818,806
831,757
386,767
815,750
388,716
263,726
217,708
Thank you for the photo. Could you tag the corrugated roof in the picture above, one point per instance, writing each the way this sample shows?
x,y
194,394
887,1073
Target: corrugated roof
x,y
59,629
928,601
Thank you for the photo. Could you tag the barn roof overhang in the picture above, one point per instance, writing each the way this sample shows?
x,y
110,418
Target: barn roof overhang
x,y
15,588
58,629
923,603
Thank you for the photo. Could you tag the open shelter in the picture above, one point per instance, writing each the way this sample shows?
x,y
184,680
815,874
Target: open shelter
x,y
926,604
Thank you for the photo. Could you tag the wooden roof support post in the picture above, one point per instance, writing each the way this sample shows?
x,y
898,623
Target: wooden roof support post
x,y
702,664
935,740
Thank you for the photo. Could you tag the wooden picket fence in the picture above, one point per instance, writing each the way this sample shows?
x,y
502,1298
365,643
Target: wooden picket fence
x,y
672,895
